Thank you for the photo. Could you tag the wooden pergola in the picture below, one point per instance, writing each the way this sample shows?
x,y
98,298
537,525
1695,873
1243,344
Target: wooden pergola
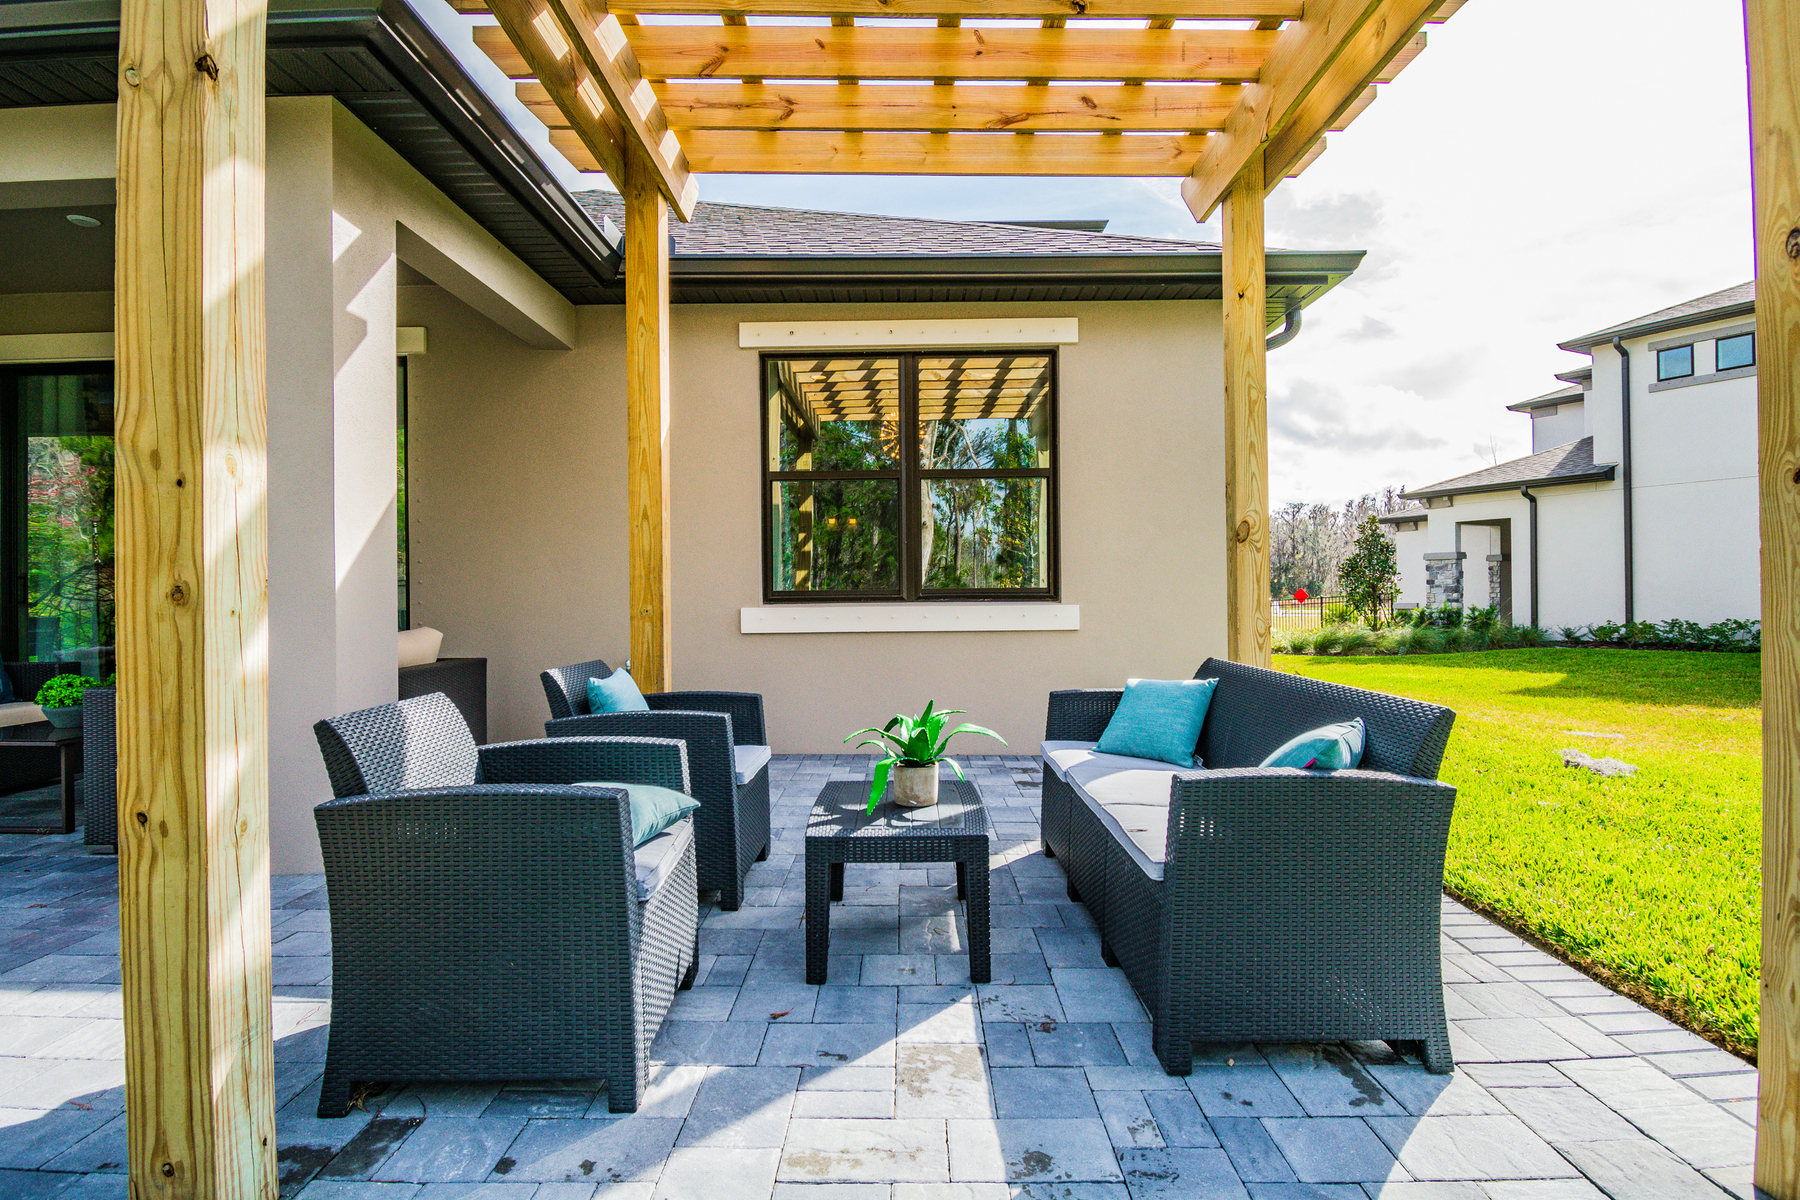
x,y
1230,96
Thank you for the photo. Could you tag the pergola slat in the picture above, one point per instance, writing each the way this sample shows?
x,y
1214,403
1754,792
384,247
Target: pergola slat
x,y
912,52
811,152
929,107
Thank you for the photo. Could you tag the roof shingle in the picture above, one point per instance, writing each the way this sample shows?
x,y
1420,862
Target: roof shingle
x,y
1688,312
1571,463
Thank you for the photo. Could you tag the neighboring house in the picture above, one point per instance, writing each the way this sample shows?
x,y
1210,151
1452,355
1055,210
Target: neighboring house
x,y
824,366
1644,510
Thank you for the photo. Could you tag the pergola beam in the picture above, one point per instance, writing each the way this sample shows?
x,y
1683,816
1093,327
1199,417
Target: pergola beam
x,y
1297,65
988,108
914,52
565,84
1367,57
192,566
810,152
1773,37
598,48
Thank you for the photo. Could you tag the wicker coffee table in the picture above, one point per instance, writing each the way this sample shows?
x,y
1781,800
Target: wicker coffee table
x,y
842,830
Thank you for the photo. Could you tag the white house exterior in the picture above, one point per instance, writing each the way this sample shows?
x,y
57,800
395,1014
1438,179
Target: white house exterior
x,y
1644,510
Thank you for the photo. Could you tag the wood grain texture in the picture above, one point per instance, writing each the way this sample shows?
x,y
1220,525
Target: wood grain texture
x,y
1166,10
1773,29
1246,422
806,152
191,587
568,90
1365,59
912,52
647,420
925,107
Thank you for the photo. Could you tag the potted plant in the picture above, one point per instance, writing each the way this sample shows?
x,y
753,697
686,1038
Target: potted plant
x,y
915,746
61,697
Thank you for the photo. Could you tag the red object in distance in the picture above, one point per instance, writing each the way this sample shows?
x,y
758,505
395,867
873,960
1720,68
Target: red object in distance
x,y
1300,595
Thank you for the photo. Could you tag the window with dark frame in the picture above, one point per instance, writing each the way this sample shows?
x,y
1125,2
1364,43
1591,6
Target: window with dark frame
x,y
909,476
1730,353
1677,362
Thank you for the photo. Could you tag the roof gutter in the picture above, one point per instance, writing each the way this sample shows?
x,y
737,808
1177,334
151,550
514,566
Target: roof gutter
x,y
1599,475
1289,330
1618,344
1586,343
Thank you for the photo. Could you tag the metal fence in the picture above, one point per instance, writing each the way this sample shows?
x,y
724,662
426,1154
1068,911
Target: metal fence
x,y
1300,616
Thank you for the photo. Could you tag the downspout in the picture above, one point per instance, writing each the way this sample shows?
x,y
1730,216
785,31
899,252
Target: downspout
x,y
1289,331
1526,492
1625,469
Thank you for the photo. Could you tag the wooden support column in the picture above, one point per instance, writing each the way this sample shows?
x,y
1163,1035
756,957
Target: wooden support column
x,y
1773,29
192,578
647,420
1246,421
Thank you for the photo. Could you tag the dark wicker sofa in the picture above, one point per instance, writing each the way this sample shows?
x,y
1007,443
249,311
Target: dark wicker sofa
x,y
1263,904
488,919
728,753
30,768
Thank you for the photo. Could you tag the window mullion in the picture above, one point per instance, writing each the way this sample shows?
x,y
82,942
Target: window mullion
x,y
910,515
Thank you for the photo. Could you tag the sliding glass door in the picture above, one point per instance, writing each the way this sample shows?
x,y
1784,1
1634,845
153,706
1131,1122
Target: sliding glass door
x,y
58,544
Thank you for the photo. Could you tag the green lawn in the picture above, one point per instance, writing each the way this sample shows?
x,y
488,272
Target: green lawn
x,y
1656,878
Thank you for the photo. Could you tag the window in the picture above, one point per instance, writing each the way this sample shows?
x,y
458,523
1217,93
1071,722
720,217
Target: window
x,y
404,541
1739,351
1677,362
909,476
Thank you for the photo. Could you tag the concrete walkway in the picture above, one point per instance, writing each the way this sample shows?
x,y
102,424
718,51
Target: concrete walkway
x,y
900,1081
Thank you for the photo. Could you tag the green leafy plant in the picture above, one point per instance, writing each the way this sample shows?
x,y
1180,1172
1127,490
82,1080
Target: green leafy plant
x,y
64,691
1371,574
1339,614
915,742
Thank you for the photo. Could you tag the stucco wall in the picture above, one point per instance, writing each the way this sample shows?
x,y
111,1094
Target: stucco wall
x,y
1409,553
1551,427
519,489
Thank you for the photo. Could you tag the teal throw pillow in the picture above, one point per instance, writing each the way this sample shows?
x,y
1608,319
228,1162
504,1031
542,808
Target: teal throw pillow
x,y
1328,748
653,809
618,692
1159,719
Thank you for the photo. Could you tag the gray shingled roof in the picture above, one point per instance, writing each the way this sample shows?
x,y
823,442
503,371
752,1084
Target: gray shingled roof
x,y
1730,301
1417,512
1573,463
749,230
1559,396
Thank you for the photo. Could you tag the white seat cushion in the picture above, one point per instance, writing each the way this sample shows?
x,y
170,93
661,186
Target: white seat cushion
x,y
656,858
1062,757
19,712
1132,803
746,761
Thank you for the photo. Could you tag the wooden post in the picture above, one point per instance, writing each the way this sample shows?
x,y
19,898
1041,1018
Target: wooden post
x,y
647,419
1773,34
192,578
1246,421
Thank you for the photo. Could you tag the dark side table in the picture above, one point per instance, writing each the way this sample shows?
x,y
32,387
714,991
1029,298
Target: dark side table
x,y
41,737
842,830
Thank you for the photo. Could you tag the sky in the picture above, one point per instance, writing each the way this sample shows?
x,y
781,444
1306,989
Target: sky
x,y
1546,168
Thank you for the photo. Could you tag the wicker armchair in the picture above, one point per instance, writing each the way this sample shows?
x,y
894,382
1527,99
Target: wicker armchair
x,y
488,920
31,768
1266,904
728,754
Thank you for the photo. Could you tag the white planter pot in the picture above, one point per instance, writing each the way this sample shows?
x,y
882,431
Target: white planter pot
x,y
915,787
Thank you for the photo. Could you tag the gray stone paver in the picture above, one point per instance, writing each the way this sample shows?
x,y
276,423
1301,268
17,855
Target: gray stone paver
x,y
898,1079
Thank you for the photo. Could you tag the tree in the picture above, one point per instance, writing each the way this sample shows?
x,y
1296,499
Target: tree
x,y
1370,574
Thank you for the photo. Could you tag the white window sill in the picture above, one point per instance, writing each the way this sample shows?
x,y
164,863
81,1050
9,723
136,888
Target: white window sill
x,y
908,618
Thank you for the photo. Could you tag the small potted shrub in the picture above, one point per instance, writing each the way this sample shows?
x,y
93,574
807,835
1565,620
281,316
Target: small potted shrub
x,y
915,746
61,699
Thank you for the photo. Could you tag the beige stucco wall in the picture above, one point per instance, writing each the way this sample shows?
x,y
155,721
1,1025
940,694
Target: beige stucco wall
x,y
519,536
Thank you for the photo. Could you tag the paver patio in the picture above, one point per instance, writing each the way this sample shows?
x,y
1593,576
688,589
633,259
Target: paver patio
x,y
898,1080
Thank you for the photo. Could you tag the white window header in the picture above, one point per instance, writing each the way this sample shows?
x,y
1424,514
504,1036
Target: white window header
x,y
907,618
55,347
848,335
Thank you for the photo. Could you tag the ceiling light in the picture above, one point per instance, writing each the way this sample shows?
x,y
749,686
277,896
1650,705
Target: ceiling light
x,y
83,220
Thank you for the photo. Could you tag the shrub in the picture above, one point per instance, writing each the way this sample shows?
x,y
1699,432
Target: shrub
x,y
1606,631
1529,635
1357,640
1340,614
64,691
1481,620
1328,639
1571,633
1370,574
